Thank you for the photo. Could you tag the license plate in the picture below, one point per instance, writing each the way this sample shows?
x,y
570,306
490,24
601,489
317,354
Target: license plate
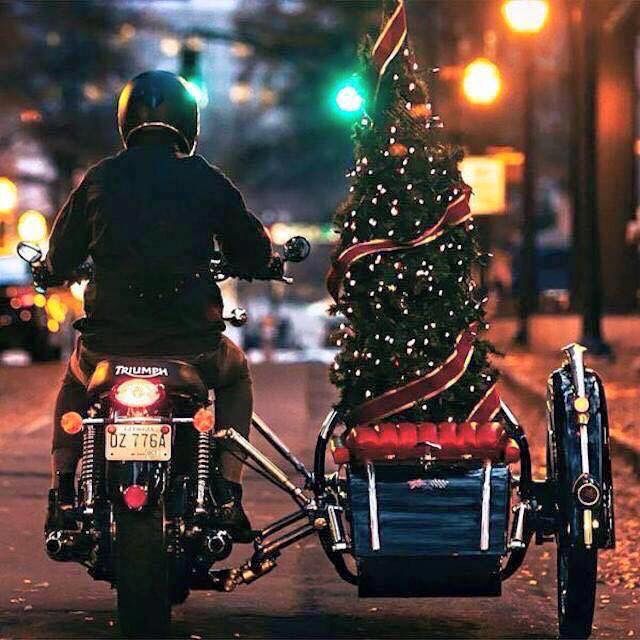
x,y
138,442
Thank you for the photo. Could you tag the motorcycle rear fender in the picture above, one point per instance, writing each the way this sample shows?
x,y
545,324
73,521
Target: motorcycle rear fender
x,y
152,476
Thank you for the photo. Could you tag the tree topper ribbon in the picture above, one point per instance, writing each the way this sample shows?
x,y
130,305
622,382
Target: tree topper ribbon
x,y
390,40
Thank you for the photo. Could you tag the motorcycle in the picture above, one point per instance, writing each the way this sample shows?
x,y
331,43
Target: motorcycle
x,y
409,510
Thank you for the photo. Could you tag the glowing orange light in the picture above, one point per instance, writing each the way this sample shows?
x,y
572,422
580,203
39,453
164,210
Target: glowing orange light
x,y
71,422
203,420
30,115
8,195
481,81
526,16
137,393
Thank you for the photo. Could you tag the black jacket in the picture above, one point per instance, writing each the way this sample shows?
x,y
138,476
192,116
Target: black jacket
x,y
147,217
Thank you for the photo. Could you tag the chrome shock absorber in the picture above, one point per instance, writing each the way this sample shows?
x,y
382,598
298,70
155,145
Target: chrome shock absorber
x,y
89,472
92,470
203,454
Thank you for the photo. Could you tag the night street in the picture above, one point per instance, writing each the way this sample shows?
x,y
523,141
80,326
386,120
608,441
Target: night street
x,y
302,598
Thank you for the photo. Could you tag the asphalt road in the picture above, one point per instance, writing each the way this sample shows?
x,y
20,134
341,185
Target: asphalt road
x,y
302,598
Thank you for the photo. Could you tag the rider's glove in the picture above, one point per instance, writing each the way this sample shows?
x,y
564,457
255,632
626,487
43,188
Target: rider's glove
x,y
275,267
43,278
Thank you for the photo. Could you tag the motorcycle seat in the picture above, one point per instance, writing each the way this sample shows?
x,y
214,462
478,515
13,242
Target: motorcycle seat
x,y
443,441
178,377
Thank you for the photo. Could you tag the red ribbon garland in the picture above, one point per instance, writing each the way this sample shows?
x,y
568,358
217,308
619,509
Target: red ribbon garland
x,y
458,211
390,39
486,409
423,388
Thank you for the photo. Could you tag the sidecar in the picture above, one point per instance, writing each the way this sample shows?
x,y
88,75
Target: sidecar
x,y
450,509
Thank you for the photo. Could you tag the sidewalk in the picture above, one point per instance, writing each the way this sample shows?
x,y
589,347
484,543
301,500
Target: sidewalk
x,y
530,370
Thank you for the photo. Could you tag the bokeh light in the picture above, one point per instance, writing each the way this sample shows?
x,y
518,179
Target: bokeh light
x,y
481,82
526,16
32,226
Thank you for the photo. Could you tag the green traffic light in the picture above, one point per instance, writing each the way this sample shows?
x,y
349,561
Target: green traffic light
x,y
349,97
198,90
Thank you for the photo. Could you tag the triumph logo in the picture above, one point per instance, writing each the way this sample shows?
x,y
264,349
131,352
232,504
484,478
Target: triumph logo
x,y
141,372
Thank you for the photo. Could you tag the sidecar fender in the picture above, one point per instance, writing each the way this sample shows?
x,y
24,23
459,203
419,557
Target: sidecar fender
x,y
565,460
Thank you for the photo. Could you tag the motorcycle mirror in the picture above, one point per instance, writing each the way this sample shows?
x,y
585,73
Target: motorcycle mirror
x,y
296,249
29,252
238,317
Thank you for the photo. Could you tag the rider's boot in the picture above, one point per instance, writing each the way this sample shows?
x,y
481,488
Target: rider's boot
x,y
61,503
231,515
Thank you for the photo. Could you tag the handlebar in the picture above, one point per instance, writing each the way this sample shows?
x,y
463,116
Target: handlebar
x,y
296,249
221,270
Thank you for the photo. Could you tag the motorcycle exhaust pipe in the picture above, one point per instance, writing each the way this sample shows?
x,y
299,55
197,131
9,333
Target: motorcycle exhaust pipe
x,y
218,545
64,546
54,546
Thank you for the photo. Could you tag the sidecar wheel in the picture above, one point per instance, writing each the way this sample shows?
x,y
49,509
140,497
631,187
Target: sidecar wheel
x,y
577,573
142,577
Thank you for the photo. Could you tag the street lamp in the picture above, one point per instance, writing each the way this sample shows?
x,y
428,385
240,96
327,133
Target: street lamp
x,y
527,17
481,81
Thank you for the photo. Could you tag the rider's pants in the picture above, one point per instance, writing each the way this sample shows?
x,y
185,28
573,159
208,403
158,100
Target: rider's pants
x,y
224,370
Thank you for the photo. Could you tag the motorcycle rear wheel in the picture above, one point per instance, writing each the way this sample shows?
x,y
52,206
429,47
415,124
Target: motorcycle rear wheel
x,y
142,576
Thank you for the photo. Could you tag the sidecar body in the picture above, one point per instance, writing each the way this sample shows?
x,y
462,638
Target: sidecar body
x,y
417,548
450,509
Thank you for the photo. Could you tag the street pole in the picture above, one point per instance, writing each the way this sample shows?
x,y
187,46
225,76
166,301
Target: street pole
x,y
589,271
528,290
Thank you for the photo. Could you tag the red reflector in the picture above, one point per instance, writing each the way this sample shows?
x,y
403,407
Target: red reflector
x,y
135,496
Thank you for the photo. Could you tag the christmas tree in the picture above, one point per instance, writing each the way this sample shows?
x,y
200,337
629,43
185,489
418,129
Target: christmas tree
x,y
402,272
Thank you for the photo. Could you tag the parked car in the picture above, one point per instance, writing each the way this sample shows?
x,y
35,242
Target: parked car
x,y
23,315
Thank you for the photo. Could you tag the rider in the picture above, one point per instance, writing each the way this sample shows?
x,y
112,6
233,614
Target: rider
x,y
147,217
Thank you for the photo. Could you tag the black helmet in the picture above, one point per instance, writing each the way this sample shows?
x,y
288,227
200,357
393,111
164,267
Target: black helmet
x,y
160,100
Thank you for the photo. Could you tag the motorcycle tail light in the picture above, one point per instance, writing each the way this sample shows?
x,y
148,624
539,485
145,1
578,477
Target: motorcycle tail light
x,y
71,422
135,497
137,393
203,420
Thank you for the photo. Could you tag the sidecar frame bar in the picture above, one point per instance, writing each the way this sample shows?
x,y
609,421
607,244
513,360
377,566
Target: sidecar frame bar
x,y
272,438
269,467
